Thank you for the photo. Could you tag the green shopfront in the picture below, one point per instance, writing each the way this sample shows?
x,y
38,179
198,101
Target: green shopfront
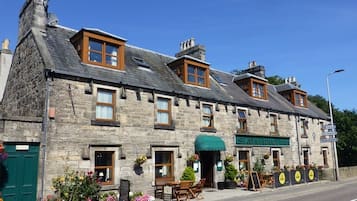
x,y
257,147
262,141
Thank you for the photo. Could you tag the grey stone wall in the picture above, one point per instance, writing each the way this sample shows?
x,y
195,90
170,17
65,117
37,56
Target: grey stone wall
x,y
33,14
24,92
71,132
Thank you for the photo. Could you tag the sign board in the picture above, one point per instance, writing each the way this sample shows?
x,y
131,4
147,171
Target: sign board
x,y
124,190
329,133
22,147
253,183
330,127
328,140
329,130
167,193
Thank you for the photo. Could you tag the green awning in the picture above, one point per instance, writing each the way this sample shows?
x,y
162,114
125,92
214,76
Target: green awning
x,y
209,143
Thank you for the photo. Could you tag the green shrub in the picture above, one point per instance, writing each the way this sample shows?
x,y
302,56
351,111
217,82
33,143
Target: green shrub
x,y
76,186
231,172
188,174
258,166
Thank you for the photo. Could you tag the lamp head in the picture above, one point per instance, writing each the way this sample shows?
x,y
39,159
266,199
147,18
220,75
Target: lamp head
x,y
339,70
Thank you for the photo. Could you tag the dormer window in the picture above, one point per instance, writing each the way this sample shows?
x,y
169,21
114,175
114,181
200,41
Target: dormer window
x,y
258,90
99,48
292,92
191,70
300,99
253,85
296,97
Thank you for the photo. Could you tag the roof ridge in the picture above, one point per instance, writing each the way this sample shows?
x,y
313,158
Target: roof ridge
x,y
64,27
152,51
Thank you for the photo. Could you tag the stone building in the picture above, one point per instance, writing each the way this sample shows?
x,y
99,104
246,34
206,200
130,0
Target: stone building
x,y
89,101
5,63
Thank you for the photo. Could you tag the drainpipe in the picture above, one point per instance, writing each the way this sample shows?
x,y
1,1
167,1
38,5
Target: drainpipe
x,y
297,137
44,135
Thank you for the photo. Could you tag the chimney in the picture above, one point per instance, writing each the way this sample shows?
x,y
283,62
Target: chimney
x,y
5,63
33,14
292,80
189,48
254,69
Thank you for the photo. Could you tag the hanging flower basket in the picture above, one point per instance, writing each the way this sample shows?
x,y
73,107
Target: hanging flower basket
x,y
266,156
229,158
193,157
140,160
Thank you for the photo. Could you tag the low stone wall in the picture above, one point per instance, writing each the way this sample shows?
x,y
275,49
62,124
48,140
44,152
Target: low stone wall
x,y
347,172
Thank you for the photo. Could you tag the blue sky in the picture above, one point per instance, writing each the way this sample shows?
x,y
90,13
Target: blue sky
x,y
307,38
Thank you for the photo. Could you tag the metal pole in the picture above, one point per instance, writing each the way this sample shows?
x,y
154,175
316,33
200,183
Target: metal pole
x,y
337,174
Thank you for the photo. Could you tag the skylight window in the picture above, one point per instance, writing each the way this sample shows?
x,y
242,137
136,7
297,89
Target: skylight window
x,y
140,62
218,79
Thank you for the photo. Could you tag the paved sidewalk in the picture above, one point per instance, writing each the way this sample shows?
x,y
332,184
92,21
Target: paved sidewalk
x,y
211,194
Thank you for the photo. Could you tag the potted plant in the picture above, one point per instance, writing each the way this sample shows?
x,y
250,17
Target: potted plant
x,y
229,176
188,174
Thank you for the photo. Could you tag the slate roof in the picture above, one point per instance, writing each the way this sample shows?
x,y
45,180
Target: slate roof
x,y
159,77
286,87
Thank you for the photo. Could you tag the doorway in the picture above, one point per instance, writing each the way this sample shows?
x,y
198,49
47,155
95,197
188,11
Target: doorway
x,y
208,159
22,167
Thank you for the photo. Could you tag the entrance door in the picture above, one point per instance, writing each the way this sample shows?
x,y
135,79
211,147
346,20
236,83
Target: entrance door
x,y
22,166
207,167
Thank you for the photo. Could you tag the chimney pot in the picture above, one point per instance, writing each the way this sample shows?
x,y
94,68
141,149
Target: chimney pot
x,y
5,44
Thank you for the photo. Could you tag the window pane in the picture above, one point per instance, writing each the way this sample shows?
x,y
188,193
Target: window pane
x,y
163,171
163,117
162,157
191,69
191,78
201,81
272,128
206,121
200,72
243,155
207,109
111,60
105,96
110,49
94,45
96,57
162,104
241,114
103,158
104,112
104,174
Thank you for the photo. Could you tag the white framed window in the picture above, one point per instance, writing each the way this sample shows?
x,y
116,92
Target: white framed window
x,y
207,116
163,113
105,105
105,164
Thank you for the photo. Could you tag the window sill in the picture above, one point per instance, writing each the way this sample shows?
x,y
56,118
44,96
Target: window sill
x,y
210,130
242,132
105,123
164,127
109,187
304,136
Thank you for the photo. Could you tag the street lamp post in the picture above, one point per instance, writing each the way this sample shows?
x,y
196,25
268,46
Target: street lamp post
x,y
337,174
